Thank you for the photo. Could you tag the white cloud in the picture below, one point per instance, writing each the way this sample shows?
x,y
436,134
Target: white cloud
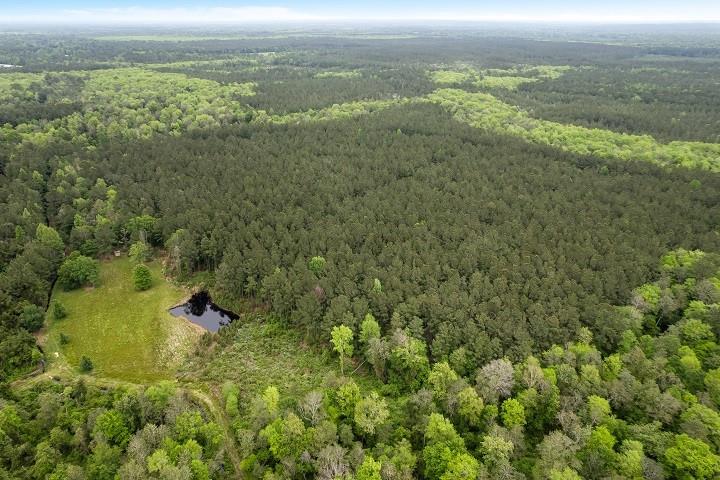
x,y
278,14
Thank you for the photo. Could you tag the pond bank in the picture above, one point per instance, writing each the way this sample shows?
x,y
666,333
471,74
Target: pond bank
x,y
200,310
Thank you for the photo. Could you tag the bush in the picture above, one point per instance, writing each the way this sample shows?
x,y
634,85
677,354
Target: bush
x,y
64,339
78,270
86,365
59,311
142,278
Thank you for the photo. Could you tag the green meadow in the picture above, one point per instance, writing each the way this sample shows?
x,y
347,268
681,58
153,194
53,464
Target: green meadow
x,y
128,335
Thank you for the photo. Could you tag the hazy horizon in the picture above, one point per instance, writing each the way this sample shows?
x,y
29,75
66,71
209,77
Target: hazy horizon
x,y
162,12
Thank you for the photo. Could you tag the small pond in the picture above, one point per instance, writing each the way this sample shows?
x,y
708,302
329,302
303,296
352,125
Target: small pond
x,y
201,311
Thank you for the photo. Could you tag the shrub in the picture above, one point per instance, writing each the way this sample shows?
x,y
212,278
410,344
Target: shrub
x,y
78,270
86,365
59,311
142,278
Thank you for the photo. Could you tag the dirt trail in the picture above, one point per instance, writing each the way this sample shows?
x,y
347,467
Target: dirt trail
x,y
214,405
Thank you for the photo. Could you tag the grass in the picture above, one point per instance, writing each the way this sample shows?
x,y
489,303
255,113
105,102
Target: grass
x,y
128,335
256,352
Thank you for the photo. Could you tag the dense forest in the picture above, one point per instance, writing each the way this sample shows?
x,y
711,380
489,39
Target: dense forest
x,y
478,255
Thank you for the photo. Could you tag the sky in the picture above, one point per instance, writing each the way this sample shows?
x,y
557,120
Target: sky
x,y
318,11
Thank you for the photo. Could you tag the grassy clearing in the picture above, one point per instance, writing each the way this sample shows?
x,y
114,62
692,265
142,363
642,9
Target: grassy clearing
x,y
256,352
128,335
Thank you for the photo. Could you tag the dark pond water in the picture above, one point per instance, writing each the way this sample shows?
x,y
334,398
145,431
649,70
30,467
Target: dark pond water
x,y
200,310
